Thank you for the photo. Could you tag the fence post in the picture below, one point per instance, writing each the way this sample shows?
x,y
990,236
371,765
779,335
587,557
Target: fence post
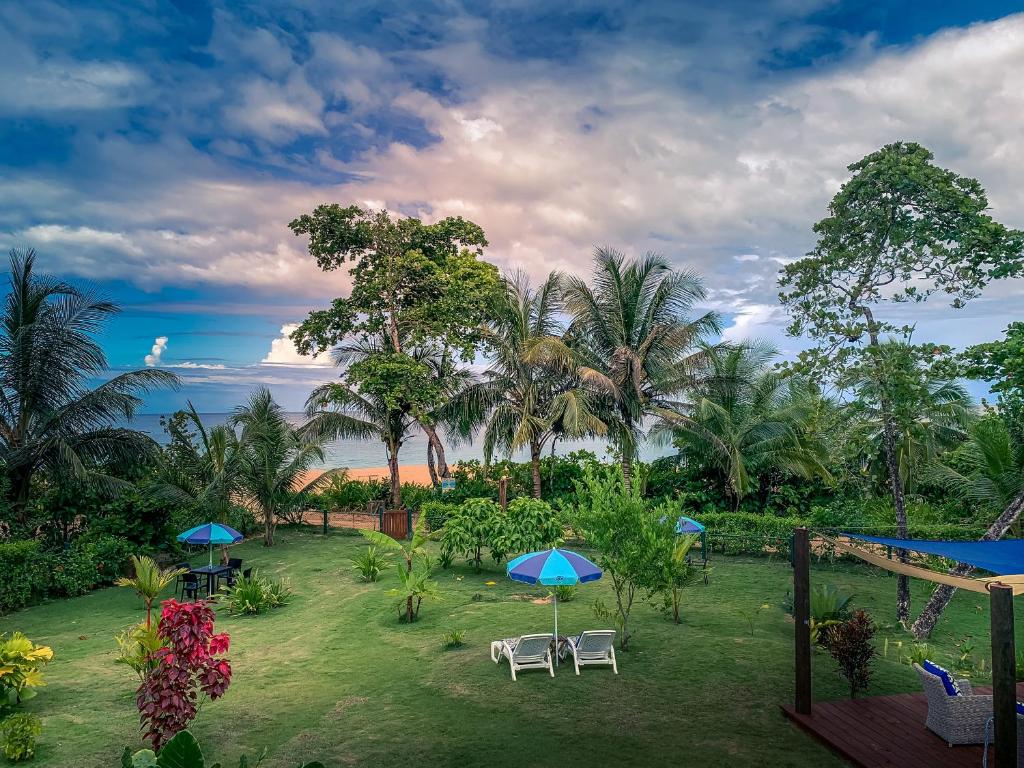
x,y
408,522
802,618
325,522
1004,674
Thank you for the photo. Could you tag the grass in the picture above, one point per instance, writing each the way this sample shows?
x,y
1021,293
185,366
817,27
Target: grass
x,y
334,676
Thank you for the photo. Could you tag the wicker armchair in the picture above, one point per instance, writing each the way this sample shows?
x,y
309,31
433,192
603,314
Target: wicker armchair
x,y
957,719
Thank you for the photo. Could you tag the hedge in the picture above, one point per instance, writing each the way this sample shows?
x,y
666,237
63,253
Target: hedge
x,y
21,566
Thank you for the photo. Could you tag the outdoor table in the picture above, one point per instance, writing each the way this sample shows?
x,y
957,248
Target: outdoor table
x,y
211,571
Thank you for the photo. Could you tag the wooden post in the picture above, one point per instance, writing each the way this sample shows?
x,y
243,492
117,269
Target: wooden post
x,y
503,492
1004,675
325,522
802,618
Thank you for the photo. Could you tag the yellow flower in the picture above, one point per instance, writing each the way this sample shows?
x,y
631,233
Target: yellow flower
x,y
490,583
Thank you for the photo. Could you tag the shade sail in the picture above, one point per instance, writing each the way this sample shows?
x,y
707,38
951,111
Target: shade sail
x,y
1004,557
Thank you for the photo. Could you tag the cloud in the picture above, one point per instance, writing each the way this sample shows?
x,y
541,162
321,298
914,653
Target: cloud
x,y
154,358
283,352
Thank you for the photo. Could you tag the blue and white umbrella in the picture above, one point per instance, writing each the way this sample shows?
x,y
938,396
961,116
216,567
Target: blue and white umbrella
x,y
553,567
210,534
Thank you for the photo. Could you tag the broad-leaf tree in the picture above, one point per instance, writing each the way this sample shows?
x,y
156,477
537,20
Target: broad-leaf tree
x,y
415,285
531,392
899,230
1001,363
746,422
52,420
635,342
276,459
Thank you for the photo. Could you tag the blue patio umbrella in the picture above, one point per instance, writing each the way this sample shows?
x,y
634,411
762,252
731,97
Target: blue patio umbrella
x,y
685,525
553,567
210,534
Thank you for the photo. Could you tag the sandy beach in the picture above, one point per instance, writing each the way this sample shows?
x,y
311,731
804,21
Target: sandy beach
x,y
417,474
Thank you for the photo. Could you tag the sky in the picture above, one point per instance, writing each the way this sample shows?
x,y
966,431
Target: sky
x,y
159,149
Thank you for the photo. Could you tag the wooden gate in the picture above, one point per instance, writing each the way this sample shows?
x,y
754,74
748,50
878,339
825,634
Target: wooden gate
x,y
395,524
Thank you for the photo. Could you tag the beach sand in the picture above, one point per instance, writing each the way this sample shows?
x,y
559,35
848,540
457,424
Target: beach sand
x,y
418,474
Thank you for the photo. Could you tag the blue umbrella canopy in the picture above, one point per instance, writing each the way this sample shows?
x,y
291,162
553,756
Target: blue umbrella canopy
x,y
688,525
553,567
210,534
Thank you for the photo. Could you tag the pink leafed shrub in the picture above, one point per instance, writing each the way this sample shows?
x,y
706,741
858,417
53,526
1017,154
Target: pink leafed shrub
x,y
191,664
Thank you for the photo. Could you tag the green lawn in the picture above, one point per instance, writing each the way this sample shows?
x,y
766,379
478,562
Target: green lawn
x,y
333,675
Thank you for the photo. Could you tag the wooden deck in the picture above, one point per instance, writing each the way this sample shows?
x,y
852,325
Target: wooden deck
x,y
885,732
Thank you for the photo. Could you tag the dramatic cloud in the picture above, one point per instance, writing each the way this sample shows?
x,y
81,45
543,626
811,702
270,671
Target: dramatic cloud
x,y
156,353
283,351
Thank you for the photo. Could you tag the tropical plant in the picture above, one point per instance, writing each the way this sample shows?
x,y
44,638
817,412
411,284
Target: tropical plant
x,y
564,593
18,734
370,564
929,414
616,521
745,422
633,341
338,410
201,467
21,663
1001,362
51,420
470,528
453,638
256,594
675,572
530,393
829,607
989,474
528,525
149,581
275,458
137,646
183,751
190,664
849,643
899,230
412,552
414,586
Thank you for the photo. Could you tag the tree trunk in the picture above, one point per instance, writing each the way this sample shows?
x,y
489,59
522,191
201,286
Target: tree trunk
x,y
435,442
944,593
268,527
19,491
892,467
627,471
535,468
431,468
396,483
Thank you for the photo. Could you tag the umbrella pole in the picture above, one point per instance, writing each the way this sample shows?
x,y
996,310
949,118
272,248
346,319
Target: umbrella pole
x,y
555,593
211,554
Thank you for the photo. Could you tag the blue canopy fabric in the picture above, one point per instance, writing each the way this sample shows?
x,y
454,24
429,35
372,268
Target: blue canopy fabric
x,y
553,567
1004,557
688,525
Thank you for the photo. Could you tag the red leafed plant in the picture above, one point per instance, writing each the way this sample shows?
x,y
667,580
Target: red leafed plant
x,y
190,663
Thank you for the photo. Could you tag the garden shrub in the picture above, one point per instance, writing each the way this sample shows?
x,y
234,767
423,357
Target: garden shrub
x,y
529,524
436,513
183,751
470,528
21,569
190,664
849,643
370,564
256,594
744,533
21,661
18,734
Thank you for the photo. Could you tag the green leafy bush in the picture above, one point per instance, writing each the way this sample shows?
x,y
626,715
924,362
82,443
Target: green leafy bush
x,y
436,513
743,533
470,528
256,594
20,566
21,661
564,593
183,751
18,734
370,564
527,526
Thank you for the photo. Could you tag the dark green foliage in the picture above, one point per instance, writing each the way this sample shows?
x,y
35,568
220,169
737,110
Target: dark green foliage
x,y
183,751
470,528
436,513
1001,363
20,564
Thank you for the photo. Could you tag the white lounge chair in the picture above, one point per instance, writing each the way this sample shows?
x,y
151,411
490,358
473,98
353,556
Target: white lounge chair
x,y
526,652
591,648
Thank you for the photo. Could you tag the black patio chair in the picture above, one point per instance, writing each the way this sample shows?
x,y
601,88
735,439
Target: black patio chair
x,y
232,577
235,564
178,578
190,586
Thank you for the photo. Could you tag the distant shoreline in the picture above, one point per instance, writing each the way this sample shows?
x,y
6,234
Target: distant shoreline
x,y
417,474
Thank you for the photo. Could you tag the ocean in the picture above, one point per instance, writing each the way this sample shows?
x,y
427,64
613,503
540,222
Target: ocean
x,y
356,454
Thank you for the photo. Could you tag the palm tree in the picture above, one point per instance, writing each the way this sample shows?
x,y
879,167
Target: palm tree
x,y
336,410
989,475
929,415
275,458
149,581
207,474
530,393
634,341
51,421
746,421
